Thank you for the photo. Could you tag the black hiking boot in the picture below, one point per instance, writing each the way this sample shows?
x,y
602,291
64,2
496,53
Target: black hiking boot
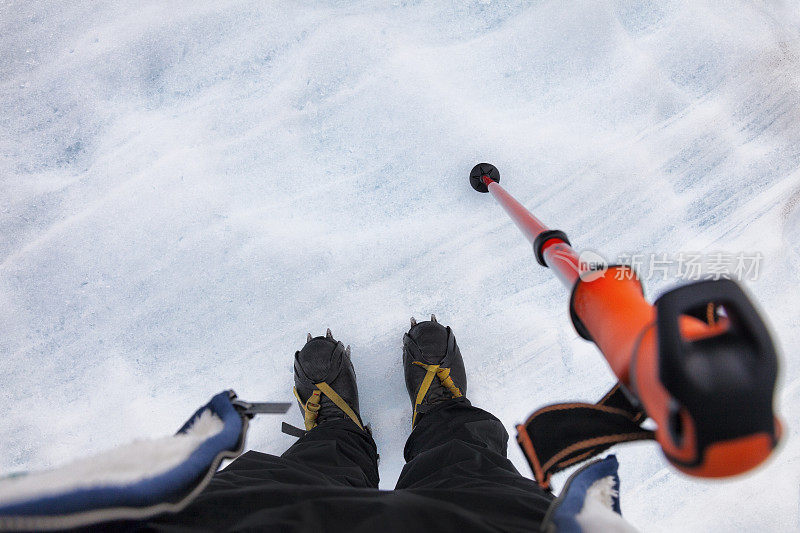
x,y
433,365
325,382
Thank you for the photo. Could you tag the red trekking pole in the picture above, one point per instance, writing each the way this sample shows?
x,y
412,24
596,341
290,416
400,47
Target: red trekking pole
x,y
700,361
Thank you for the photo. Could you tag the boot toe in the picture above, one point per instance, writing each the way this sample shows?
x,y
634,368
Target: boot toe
x,y
431,340
317,358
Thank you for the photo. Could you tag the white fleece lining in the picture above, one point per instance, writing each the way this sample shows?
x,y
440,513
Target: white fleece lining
x,y
124,465
597,513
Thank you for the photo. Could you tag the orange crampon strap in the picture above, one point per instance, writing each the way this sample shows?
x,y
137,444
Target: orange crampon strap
x,y
444,376
311,407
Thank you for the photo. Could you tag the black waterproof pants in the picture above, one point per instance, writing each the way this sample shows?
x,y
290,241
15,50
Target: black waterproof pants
x,y
457,478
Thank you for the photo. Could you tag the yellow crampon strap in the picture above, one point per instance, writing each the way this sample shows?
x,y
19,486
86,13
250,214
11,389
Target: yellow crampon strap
x,y
444,376
340,403
311,407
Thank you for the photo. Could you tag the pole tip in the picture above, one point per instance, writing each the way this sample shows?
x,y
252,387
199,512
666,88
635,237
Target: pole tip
x,y
479,171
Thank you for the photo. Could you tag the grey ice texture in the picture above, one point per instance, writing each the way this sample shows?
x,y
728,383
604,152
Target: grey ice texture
x,y
188,188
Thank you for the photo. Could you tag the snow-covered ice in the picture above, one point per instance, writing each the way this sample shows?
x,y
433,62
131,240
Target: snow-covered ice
x,y
188,188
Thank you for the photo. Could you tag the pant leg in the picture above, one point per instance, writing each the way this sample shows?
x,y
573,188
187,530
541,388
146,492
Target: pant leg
x,y
457,446
334,453
338,450
331,459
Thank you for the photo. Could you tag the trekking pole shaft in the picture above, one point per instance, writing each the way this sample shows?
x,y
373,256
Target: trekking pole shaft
x,y
601,314
556,251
